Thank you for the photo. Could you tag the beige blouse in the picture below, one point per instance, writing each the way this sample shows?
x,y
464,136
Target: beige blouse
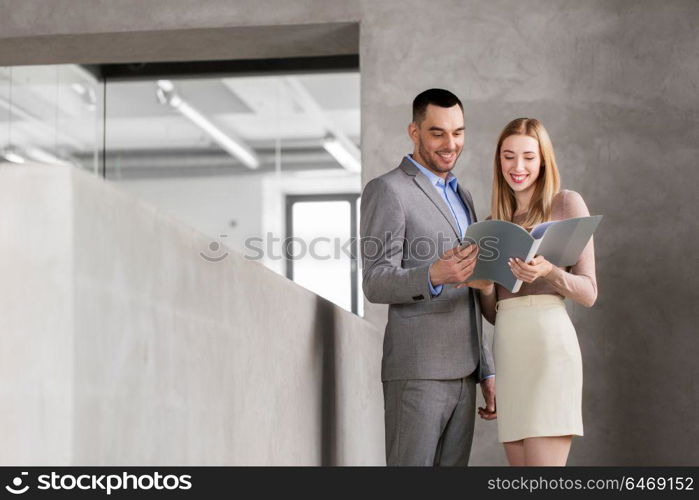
x,y
576,282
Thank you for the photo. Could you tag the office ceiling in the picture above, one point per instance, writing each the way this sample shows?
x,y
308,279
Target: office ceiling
x,y
64,112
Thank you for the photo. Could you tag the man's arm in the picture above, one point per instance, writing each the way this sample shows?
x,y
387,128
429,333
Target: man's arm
x,y
382,231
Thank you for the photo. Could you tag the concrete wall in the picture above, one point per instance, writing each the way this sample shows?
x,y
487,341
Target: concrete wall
x,y
255,202
208,204
122,345
615,84
36,320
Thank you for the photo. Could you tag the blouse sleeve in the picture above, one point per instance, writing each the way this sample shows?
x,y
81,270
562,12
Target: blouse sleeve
x,y
488,301
488,304
580,283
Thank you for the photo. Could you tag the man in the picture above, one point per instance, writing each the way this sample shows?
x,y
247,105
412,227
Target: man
x,y
413,219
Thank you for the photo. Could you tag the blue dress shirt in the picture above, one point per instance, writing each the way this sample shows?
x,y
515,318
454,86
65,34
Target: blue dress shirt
x,y
449,193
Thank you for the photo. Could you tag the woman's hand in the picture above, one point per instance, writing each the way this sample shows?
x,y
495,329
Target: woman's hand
x,y
528,272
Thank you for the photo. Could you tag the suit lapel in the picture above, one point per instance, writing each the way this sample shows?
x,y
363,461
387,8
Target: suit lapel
x,y
431,192
466,197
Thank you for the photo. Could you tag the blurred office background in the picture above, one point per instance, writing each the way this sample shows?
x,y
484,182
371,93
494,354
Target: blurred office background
x,y
264,165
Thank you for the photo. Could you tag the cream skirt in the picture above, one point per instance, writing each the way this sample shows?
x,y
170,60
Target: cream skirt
x,y
538,369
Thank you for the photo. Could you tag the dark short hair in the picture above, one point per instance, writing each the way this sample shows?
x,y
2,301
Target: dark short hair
x,y
438,97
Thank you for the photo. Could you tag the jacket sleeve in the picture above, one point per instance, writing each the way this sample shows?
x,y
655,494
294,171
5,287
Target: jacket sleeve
x,y
383,243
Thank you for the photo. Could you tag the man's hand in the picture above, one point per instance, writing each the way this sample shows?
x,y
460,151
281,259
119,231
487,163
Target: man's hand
x,y
454,266
490,410
531,271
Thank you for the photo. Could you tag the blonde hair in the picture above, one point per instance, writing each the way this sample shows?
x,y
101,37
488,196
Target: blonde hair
x,y
504,204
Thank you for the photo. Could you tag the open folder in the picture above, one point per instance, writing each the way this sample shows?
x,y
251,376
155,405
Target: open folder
x,y
560,242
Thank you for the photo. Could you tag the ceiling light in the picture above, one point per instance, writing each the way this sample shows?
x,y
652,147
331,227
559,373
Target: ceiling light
x,y
86,93
43,156
12,155
235,147
340,153
337,143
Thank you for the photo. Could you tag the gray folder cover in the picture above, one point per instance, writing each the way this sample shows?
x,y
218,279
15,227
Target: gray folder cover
x,y
560,242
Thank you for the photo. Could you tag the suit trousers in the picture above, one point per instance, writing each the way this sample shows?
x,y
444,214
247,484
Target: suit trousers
x,y
429,422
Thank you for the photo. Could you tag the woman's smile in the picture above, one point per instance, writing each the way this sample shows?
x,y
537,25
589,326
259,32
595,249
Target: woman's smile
x,y
519,178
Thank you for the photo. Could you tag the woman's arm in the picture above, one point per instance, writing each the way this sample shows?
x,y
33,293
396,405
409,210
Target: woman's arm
x,y
488,301
580,284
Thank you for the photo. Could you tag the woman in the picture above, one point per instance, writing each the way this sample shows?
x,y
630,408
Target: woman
x,y
537,357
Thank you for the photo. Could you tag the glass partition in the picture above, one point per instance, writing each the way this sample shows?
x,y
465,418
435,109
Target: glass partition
x,y
222,152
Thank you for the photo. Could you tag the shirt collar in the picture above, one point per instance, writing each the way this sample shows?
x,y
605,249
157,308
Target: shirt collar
x,y
434,178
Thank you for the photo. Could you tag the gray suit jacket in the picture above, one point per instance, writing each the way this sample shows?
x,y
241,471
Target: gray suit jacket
x,y
405,226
